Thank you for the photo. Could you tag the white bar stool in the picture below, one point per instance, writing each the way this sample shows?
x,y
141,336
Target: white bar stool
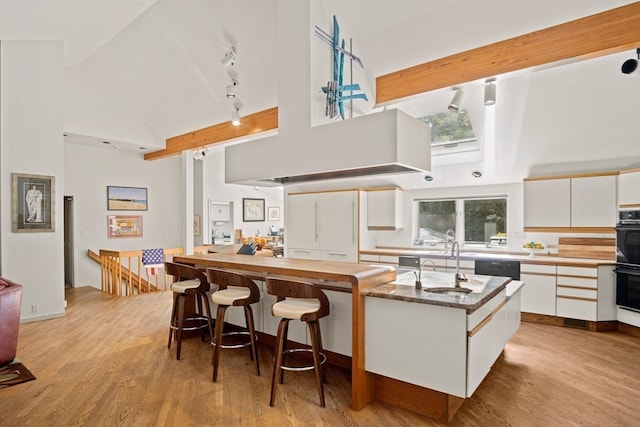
x,y
233,290
188,281
307,303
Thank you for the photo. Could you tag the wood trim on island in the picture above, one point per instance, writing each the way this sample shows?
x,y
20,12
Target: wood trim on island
x,y
360,276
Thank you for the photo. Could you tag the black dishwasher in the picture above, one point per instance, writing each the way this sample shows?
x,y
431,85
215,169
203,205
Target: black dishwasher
x,y
498,267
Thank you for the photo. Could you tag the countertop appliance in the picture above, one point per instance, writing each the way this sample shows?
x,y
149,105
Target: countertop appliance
x,y
628,259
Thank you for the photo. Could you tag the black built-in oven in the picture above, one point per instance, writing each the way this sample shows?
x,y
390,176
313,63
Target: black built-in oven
x,y
628,259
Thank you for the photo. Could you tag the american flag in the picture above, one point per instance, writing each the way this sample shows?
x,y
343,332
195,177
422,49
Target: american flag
x,y
153,260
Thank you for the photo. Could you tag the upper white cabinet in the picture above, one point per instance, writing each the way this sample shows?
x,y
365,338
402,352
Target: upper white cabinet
x,y
220,212
629,188
593,201
303,228
547,203
323,226
571,202
384,209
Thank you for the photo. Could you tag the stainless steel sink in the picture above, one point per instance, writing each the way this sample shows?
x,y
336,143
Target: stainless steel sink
x,y
449,291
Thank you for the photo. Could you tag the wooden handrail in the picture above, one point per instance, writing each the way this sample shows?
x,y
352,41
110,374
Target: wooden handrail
x,y
121,271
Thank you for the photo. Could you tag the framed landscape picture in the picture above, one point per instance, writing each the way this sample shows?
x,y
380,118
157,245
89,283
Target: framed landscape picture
x,y
252,210
33,203
125,226
126,198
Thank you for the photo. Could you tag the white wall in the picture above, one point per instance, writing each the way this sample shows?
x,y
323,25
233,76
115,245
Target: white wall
x,y
216,189
31,94
88,172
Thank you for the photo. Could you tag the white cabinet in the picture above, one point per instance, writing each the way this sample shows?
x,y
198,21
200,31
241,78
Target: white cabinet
x,y
484,345
323,226
336,327
539,295
547,203
570,202
593,201
586,293
629,188
338,223
303,229
384,209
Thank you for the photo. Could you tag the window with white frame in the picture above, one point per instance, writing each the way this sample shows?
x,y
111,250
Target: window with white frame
x,y
474,221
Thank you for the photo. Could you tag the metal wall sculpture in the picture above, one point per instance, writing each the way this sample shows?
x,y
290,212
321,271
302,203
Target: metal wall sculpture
x,y
335,89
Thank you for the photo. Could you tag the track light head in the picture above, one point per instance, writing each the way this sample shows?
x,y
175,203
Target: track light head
x,y
630,66
235,114
489,93
456,101
230,92
229,58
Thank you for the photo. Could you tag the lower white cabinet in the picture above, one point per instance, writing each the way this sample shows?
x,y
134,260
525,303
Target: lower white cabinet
x,y
586,293
336,327
539,296
437,347
484,347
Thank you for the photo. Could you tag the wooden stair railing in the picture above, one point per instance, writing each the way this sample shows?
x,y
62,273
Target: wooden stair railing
x,y
121,271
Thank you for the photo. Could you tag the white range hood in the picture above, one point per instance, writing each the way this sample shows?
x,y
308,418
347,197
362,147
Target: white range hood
x,y
381,143
386,142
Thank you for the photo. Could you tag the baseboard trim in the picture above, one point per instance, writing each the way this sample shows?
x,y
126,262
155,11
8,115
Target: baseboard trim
x,y
604,326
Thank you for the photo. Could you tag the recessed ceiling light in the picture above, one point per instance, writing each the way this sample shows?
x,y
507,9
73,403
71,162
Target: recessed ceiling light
x,y
106,142
142,148
476,174
428,178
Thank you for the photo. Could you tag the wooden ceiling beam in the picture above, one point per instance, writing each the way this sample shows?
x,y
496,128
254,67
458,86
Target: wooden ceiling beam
x,y
597,35
250,124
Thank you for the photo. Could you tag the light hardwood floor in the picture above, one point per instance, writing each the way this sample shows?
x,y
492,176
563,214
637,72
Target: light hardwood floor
x,y
106,364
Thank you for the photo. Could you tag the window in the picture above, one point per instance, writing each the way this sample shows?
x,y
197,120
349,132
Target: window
x,y
451,132
472,221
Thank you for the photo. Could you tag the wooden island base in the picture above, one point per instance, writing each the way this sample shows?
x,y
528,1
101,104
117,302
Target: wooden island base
x,y
434,404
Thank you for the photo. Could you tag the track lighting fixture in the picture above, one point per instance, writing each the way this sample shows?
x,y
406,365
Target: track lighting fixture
x,y
235,114
199,154
630,66
456,101
229,58
231,89
489,93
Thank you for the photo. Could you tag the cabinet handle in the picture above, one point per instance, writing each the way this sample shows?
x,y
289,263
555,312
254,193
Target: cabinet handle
x,y
298,251
336,254
353,221
315,213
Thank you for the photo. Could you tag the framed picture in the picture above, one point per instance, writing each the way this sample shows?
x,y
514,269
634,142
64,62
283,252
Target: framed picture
x,y
126,198
125,226
196,225
273,213
252,210
32,203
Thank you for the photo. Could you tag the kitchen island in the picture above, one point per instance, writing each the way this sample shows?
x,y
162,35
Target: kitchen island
x,y
397,332
429,351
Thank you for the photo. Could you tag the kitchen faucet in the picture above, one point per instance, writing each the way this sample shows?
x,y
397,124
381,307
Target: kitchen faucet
x,y
459,277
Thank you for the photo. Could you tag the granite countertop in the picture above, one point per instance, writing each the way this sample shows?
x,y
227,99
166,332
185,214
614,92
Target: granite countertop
x,y
403,288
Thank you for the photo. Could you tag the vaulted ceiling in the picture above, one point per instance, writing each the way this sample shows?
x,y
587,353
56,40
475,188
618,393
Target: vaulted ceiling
x,y
141,71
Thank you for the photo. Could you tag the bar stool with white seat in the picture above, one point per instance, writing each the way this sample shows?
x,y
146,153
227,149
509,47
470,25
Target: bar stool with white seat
x,y
234,289
307,303
188,281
